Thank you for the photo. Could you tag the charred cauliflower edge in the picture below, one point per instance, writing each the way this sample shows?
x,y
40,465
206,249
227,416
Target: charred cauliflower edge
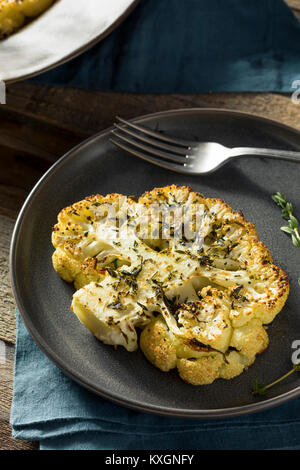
x,y
201,307
14,13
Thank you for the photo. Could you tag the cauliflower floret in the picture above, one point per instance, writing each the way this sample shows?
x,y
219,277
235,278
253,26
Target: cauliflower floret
x,y
209,350
200,371
13,14
32,8
234,365
250,339
86,241
201,299
11,17
111,315
157,343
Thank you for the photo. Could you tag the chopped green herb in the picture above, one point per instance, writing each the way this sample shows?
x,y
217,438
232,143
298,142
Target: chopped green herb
x,y
116,305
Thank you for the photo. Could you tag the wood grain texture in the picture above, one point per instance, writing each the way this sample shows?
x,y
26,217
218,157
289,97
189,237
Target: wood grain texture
x,y
7,304
8,443
78,113
38,125
6,387
295,6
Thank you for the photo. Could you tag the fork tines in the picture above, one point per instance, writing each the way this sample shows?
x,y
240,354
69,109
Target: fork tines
x,y
150,145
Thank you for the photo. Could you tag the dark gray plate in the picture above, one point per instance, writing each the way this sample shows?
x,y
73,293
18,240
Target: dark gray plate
x,y
96,166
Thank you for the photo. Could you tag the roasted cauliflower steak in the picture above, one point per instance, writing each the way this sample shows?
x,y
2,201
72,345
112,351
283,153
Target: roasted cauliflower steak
x,y
14,13
193,276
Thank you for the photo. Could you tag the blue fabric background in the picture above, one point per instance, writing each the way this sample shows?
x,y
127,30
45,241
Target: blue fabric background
x,y
192,46
50,407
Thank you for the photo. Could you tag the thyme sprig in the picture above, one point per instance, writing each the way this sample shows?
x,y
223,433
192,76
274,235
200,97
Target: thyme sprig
x,y
260,389
287,213
291,229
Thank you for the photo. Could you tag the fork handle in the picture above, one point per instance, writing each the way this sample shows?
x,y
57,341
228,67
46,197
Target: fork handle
x,y
268,153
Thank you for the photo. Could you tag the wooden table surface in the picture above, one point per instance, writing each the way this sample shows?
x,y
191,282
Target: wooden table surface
x,y
40,123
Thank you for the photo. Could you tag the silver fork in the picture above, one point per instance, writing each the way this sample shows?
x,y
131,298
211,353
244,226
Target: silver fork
x,y
195,158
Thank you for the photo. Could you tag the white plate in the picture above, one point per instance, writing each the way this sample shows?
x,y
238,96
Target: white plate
x,y
62,32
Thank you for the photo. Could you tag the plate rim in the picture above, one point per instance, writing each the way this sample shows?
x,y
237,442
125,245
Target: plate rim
x,y
79,50
59,362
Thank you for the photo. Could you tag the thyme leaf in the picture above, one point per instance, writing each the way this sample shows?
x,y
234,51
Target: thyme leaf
x,y
170,304
287,213
292,230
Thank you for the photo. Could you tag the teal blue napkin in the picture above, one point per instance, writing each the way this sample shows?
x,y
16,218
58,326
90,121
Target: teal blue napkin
x,y
192,46
51,408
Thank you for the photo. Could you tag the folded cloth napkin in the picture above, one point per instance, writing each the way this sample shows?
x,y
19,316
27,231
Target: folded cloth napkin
x,y
192,46
51,408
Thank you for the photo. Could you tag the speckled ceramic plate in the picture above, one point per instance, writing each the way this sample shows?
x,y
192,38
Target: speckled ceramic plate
x,y
96,166
62,32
